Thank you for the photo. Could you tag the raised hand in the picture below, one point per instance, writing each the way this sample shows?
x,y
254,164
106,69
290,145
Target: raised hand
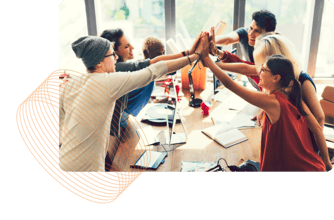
x,y
212,35
195,44
213,48
204,45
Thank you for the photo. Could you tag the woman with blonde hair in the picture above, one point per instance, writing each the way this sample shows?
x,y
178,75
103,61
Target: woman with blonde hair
x,y
273,43
286,142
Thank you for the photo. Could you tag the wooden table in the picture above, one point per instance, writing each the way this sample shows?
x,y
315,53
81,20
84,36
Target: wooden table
x,y
199,147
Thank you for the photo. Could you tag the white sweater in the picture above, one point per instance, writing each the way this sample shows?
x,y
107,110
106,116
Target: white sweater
x,y
86,105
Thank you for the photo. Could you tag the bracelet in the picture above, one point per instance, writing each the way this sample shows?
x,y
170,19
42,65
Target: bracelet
x,y
225,53
218,54
217,50
199,55
189,60
183,53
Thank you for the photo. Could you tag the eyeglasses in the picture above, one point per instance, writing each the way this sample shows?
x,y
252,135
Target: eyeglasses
x,y
113,54
263,69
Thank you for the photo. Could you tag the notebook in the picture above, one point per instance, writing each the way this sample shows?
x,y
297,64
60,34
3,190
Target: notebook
x,y
329,133
225,134
330,146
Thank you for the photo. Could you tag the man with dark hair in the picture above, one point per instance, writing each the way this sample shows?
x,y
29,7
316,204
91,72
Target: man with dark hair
x,y
113,35
262,21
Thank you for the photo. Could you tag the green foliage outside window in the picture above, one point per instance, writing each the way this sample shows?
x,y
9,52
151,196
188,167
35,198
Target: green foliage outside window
x,y
196,14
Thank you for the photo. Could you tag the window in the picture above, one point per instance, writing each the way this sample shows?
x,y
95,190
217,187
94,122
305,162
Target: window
x,y
137,18
291,18
72,25
194,16
141,18
325,57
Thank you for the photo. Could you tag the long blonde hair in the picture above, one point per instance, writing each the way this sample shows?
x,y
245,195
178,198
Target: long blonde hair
x,y
273,43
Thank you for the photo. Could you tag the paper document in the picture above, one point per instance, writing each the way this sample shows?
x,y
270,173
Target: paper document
x,y
158,91
234,118
180,42
148,135
172,45
196,166
234,102
220,28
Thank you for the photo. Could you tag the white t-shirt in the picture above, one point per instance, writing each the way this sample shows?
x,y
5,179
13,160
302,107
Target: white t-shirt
x,y
86,105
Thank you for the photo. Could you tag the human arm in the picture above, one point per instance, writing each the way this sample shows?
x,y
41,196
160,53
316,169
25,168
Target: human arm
x,y
319,136
259,118
61,115
178,55
214,51
267,102
311,100
132,66
202,49
241,68
135,66
227,39
166,57
133,80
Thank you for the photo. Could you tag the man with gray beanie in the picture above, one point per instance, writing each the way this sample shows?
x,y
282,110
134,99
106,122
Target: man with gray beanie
x,y
87,101
90,49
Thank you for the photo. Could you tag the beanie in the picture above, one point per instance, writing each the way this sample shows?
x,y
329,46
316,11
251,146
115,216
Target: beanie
x,y
91,49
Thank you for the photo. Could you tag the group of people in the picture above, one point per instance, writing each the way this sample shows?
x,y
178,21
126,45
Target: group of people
x,y
95,106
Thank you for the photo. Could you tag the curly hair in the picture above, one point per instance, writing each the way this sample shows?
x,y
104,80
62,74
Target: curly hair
x,y
152,47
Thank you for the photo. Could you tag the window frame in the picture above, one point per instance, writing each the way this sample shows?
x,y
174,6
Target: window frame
x,y
238,21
